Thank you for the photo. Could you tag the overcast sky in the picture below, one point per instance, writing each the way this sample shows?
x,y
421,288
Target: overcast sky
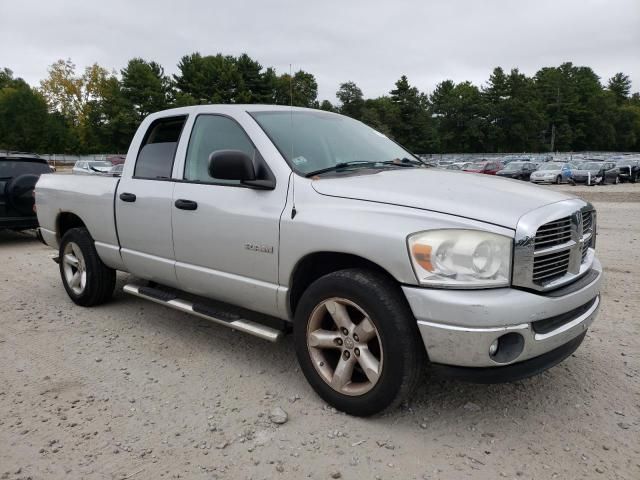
x,y
369,42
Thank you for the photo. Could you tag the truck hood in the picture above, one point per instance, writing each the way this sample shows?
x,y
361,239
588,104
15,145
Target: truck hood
x,y
485,198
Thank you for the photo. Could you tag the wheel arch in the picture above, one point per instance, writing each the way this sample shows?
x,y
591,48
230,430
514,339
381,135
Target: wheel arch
x,y
317,264
65,222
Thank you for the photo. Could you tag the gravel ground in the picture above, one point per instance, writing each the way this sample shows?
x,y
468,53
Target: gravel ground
x,y
135,390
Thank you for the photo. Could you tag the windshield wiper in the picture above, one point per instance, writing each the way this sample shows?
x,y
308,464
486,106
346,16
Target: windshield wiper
x,y
341,166
405,162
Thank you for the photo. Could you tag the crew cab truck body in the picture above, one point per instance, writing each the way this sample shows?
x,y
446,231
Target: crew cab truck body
x,y
263,217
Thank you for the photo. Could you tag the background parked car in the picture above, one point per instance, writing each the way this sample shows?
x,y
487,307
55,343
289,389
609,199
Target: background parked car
x,y
116,170
486,167
594,173
551,172
628,169
116,159
518,170
19,173
91,167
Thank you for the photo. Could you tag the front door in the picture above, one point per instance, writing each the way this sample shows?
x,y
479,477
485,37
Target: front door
x,y
226,234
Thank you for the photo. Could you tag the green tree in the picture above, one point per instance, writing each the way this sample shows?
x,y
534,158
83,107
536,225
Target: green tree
x,y
412,126
381,114
302,90
513,118
211,79
327,106
351,99
145,87
461,117
63,90
23,118
620,86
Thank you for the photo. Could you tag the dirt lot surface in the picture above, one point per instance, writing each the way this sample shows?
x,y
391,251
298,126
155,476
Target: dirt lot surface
x,y
135,390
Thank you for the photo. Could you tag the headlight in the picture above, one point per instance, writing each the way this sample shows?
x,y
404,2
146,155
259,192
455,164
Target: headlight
x,y
461,258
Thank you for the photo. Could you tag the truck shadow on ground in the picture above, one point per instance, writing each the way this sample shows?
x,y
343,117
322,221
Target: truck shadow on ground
x,y
437,398
11,237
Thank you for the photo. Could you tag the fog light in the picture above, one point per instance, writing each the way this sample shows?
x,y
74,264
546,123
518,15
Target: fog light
x,y
506,348
493,348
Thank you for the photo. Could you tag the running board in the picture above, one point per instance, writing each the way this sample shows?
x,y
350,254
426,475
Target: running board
x,y
221,317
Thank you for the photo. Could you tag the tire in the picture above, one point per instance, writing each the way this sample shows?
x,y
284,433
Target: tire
x,y
558,180
393,340
616,181
95,281
19,192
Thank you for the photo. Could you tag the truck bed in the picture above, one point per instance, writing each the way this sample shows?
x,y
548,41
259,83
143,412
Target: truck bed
x,y
91,198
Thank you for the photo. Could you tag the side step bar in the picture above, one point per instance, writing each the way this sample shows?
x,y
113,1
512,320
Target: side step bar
x,y
218,316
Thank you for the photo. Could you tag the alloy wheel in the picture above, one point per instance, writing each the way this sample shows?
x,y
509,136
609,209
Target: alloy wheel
x,y
74,268
345,346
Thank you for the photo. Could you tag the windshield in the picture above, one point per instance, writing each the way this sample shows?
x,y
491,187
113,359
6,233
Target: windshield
x,y
13,168
99,164
514,166
476,166
551,166
625,162
590,166
312,141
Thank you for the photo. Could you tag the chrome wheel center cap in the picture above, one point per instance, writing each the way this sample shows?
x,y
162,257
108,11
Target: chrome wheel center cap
x,y
348,343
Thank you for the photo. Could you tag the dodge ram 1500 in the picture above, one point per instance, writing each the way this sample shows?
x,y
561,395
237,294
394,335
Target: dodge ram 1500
x,y
269,219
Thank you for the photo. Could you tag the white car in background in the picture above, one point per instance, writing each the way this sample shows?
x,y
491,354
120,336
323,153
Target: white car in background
x,y
91,167
551,172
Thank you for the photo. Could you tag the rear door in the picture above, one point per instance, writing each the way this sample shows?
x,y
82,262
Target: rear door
x,y
144,204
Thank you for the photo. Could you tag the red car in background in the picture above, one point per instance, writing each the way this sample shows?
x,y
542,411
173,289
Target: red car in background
x,y
488,167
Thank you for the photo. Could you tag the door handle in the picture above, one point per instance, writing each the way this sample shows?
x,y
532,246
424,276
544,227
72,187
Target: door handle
x,y
186,204
128,197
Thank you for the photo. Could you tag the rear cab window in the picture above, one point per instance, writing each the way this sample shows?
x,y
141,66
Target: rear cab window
x,y
158,149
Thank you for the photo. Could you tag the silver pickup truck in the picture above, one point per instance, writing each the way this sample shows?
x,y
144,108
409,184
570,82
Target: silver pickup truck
x,y
270,219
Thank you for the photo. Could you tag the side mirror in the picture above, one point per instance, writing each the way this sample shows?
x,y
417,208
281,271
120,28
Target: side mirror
x,y
231,165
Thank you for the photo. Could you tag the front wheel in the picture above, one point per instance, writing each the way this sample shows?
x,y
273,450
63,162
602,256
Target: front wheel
x,y
86,279
357,341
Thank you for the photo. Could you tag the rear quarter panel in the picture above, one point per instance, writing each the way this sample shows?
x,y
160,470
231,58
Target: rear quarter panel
x,y
90,197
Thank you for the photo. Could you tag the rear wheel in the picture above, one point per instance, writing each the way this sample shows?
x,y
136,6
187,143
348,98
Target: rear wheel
x,y
616,180
86,279
357,341
558,180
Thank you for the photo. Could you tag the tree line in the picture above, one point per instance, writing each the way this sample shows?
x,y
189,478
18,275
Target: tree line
x,y
565,108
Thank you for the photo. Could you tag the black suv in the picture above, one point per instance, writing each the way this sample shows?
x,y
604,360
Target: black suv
x,y
628,169
19,173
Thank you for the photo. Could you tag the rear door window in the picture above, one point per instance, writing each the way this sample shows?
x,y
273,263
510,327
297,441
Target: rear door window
x,y
158,150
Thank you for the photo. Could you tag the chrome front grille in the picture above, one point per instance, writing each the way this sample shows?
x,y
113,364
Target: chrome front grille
x,y
587,221
554,245
553,233
553,265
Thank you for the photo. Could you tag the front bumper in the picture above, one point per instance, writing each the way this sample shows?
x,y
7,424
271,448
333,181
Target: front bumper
x,y
543,179
586,180
459,326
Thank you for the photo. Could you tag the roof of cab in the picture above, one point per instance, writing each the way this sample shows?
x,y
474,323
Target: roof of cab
x,y
233,108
